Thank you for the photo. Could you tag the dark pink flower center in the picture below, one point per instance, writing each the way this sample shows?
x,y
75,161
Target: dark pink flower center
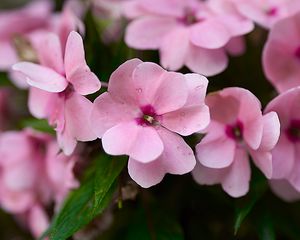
x,y
148,116
297,52
189,18
67,92
272,11
235,131
293,131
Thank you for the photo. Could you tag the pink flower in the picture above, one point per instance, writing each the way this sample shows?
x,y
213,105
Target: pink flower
x,y
267,12
111,13
16,23
58,88
142,115
283,189
192,33
281,56
33,177
286,163
237,127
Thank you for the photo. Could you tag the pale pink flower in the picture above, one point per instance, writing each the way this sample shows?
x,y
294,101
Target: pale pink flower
x,y
286,155
284,190
111,13
267,12
192,33
281,55
19,22
58,88
143,114
33,177
237,129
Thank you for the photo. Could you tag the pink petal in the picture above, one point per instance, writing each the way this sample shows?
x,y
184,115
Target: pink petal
x,y
146,174
177,158
38,220
208,176
223,109
41,77
283,189
66,141
252,120
141,143
148,32
197,85
107,112
39,102
165,91
78,73
8,55
187,120
84,81
210,34
294,177
49,52
206,61
168,8
77,117
283,150
283,73
16,202
263,160
120,82
271,131
217,153
236,181
236,46
174,48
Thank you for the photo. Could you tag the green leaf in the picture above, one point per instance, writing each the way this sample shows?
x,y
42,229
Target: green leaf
x,y
265,227
258,188
154,224
85,203
37,124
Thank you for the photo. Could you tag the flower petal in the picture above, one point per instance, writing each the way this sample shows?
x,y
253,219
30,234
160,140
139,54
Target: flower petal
x,y
141,143
41,77
217,153
236,181
208,62
107,112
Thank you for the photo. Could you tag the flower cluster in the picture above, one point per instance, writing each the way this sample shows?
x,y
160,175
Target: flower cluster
x,y
148,112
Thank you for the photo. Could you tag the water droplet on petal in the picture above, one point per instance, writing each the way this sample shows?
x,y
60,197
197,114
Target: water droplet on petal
x,y
139,90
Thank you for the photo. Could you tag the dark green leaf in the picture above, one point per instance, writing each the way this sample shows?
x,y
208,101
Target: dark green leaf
x,y
85,203
37,124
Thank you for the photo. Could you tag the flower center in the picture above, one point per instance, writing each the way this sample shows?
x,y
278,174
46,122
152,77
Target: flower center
x,y
272,11
235,131
148,116
293,131
297,52
67,92
189,18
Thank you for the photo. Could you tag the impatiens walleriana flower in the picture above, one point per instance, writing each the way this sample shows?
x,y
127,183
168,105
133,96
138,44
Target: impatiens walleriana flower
x,y
286,155
283,189
237,128
17,23
59,84
143,114
192,33
267,12
281,55
33,177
